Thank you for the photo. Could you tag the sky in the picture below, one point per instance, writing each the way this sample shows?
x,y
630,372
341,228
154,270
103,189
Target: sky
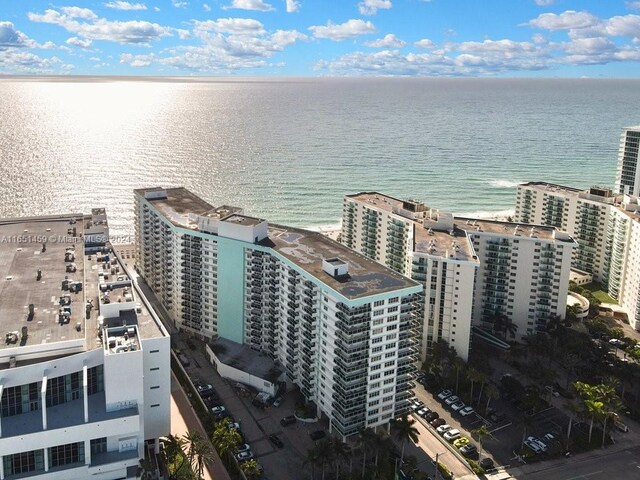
x,y
299,38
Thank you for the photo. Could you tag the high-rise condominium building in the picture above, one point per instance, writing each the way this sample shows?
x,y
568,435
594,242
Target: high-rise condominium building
x,y
84,362
628,173
473,270
583,214
340,326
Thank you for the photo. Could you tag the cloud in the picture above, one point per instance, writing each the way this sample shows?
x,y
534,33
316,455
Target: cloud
x,y
425,43
568,20
206,7
179,4
77,42
370,7
10,37
137,60
625,26
544,3
292,6
238,26
17,61
633,5
94,28
258,5
121,5
349,29
388,41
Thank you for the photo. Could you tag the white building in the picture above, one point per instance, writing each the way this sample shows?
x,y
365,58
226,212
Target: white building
x,y
82,389
628,173
472,270
339,325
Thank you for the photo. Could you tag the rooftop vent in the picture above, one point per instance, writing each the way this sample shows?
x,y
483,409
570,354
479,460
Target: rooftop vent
x,y
335,267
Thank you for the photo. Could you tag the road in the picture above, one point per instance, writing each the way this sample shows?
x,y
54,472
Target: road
x,y
624,464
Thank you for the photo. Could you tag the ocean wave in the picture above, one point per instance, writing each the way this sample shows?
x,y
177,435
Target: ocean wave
x,y
325,228
503,183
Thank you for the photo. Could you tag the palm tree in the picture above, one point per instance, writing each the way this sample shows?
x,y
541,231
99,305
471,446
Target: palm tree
x,y
324,450
474,376
199,452
313,460
173,452
527,423
365,441
251,469
404,430
225,440
491,392
145,469
341,452
459,364
481,432
575,410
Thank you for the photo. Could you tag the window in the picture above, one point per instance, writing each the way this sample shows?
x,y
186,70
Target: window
x,y
23,462
378,303
95,379
98,445
66,454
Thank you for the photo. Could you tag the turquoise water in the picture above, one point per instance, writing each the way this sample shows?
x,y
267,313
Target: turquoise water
x,y
288,150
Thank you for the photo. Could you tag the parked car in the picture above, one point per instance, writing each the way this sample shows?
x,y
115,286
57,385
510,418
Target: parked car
x,y
243,448
616,342
442,429
466,411
486,463
244,456
218,410
469,450
451,435
277,402
540,443
457,406
451,400
548,438
276,441
460,442
234,426
423,411
290,420
429,417
535,445
317,435
445,394
438,422
418,404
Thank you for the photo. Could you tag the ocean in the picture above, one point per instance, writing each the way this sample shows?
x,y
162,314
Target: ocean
x,y
288,150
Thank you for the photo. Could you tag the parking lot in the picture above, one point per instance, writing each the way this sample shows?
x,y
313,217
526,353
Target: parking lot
x,y
256,424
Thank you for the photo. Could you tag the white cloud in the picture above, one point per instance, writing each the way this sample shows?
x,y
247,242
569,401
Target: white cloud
x,y
259,5
292,6
544,3
238,26
156,9
349,29
78,42
633,5
137,60
388,41
18,61
122,5
568,20
625,26
206,7
370,7
183,34
94,28
10,37
425,43
179,4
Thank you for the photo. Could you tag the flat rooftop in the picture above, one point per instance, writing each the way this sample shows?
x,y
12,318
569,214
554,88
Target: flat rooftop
x,y
553,187
180,202
453,244
308,249
21,256
472,225
243,358
376,199
243,220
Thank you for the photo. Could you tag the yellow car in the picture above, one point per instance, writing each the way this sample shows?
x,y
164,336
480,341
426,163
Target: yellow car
x,y
461,442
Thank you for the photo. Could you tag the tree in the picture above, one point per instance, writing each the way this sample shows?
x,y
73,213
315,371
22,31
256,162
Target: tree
x,y
491,392
312,460
365,441
173,454
404,430
481,432
474,376
459,365
145,469
341,452
324,451
198,452
251,469
226,440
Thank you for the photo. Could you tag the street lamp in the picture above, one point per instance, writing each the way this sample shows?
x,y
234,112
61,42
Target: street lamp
x,y
436,464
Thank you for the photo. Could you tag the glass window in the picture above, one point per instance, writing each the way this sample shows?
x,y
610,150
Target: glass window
x,y
66,454
98,445
23,462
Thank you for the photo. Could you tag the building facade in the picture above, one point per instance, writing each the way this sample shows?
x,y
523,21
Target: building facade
x,y
84,368
341,326
472,270
628,173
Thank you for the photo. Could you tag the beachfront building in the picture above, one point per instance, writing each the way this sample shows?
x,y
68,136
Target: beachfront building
x,y
474,271
628,173
84,365
339,326
583,214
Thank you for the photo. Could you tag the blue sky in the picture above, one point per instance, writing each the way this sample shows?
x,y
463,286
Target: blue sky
x,y
283,38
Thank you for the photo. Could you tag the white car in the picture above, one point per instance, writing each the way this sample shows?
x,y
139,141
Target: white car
x,y
452,435
218,410
244,456
616,342
532,441
442,429
457,406
423,411
466,411
532,446
444,394
243,448
452,399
